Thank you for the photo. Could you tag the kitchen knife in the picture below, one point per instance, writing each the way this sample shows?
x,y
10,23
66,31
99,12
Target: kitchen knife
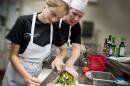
x,y
50,78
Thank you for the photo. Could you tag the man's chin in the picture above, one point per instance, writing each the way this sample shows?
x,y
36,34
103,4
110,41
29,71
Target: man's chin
x,y
72,24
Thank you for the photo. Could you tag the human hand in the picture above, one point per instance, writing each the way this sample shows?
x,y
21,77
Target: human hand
x,y
58,64
72,71
31,85
33,82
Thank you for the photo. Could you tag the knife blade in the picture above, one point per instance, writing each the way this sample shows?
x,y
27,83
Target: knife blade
x,y
50,78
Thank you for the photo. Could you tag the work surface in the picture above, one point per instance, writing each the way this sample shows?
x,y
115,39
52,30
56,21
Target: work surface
x,y
82,81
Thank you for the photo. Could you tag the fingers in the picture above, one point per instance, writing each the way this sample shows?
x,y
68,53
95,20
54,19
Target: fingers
x,y
57,67
76,76
60,67
72,71
33,82
63,67
31,85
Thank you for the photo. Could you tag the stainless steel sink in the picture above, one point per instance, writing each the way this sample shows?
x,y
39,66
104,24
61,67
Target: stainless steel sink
x,y
51,76
48,75
81,80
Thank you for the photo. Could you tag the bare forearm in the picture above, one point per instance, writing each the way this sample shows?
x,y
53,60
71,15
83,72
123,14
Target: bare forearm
x,y
69,66
75,55
62,52
58,61
14,59
19,67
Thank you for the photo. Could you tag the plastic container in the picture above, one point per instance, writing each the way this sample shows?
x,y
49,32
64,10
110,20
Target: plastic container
x,y
96,62
117,84
121,81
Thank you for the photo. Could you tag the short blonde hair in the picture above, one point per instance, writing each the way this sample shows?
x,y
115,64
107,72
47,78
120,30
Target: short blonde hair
x,y
58,3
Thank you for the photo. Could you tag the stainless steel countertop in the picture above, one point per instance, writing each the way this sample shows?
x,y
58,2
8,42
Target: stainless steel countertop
x,y
124,67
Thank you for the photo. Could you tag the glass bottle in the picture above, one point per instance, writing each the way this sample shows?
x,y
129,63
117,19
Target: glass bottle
x,y
113,47
109,44
122,48
105,47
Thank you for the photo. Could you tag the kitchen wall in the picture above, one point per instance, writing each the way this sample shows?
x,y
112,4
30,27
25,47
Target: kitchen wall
x,y
110,17
31,6
14,7
21,7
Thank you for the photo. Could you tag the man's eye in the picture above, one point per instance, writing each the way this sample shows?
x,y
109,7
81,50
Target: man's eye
x,y
80,16
74,14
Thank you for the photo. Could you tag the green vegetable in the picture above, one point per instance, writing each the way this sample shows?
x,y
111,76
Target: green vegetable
x,y
66,78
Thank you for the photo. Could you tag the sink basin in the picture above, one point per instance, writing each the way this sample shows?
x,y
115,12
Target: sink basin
x,y
47,76
82,80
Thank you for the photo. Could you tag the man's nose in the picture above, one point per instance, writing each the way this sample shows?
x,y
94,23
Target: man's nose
x,y
77,18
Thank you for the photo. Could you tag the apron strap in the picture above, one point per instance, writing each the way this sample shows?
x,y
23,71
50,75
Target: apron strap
x,y
68,41
51,33
60,23
33,26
